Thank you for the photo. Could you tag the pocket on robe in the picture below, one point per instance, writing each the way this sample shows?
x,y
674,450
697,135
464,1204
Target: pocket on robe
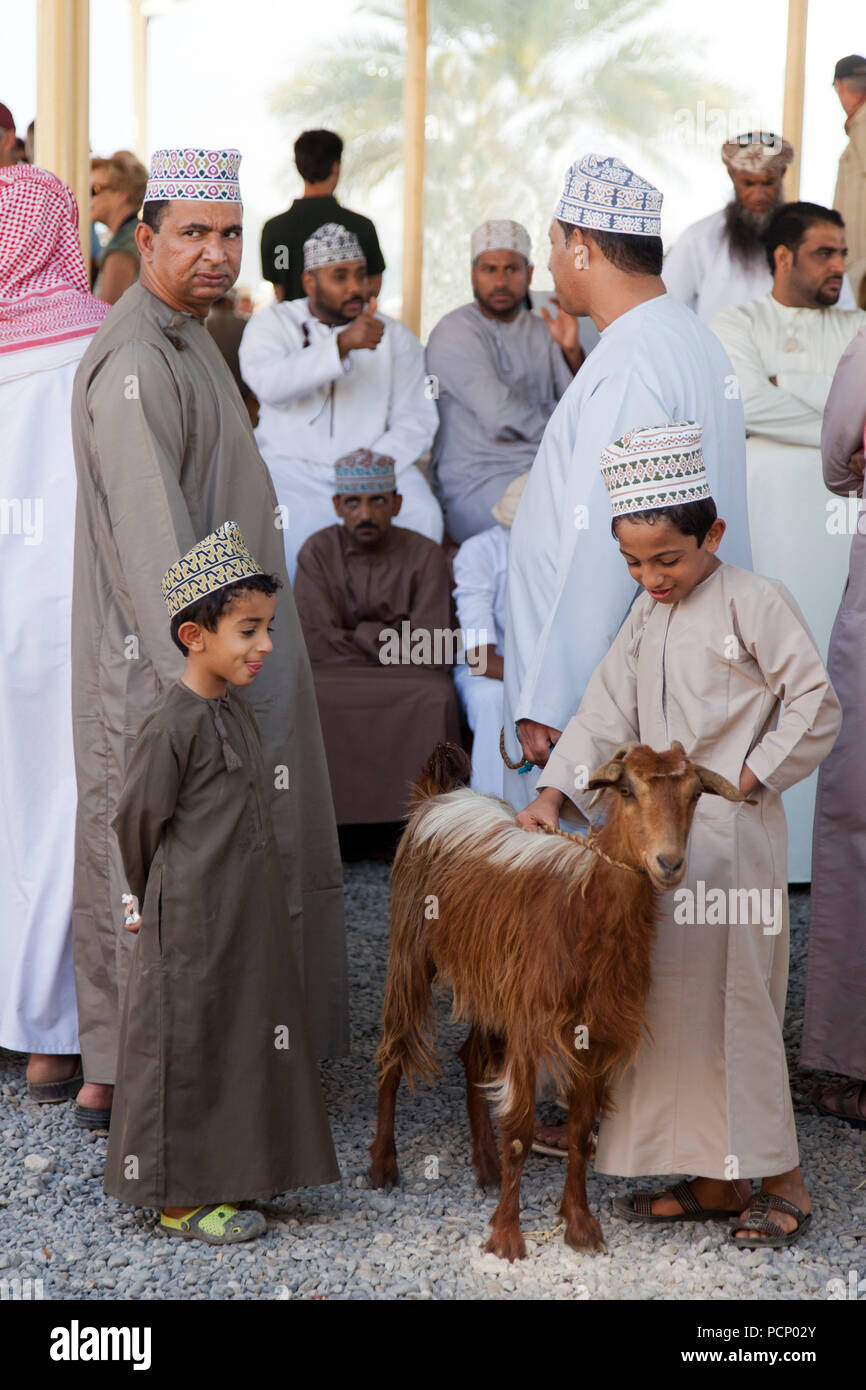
x,y
714,846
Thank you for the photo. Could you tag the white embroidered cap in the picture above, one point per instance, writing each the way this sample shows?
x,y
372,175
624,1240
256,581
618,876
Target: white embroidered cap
x,y
330,245
655,466
501,234
602,193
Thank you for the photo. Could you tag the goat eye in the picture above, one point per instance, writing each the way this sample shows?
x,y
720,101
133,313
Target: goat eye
x,y
696,795
626,792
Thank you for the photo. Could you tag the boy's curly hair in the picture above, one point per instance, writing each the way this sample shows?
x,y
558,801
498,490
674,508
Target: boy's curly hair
x,y
691,518
207,611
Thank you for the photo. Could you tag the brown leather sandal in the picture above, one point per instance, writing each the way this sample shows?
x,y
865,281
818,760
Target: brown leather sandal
x,y
847,1106
770,1236
639,1207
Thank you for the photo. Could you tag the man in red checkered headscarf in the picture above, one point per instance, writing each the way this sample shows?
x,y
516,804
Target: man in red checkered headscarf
x,y
47,319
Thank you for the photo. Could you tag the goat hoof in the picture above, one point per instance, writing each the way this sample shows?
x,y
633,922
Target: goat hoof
x,y
383,1172
584,1234
508,1244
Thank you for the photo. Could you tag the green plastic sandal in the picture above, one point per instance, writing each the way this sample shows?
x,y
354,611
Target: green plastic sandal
x,y
219,1224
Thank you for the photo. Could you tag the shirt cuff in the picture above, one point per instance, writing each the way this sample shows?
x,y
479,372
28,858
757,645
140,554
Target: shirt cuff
x,y
758,762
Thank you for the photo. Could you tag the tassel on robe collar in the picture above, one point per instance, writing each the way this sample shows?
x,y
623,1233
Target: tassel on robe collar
x,y
231,758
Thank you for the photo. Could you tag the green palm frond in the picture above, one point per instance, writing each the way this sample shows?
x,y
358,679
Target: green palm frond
x,y
516,88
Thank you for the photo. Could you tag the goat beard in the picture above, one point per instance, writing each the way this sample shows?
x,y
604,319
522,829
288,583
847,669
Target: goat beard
x,y
745,231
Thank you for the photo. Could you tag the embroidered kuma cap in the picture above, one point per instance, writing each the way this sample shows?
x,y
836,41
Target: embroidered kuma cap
x,y
364,471
209,176
655,466
221,558
758,152
330,245
603,194
500,235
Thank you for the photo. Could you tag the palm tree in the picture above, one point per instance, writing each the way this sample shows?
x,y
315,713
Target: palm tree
x,y
516,89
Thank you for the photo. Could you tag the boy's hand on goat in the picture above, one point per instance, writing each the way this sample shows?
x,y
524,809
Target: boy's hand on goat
x,y
536,740
544,810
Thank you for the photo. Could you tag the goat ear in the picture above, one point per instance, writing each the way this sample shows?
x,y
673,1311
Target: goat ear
x,y
610,772
719,786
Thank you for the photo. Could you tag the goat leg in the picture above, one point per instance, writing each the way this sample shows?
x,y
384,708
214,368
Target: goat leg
x,y
516,1130
476,1054
383,1151
582,1231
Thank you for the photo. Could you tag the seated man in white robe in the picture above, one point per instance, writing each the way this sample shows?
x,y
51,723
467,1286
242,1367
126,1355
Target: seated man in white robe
x,y
480,572
331,375
785,348
721,260
499,371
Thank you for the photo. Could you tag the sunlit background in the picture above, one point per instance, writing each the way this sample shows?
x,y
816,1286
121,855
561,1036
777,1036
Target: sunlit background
x,y
517,89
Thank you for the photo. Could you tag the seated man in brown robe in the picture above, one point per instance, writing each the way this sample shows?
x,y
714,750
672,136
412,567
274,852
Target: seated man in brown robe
x,y
375,606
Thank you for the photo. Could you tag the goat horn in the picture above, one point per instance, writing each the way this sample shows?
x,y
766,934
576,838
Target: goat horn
x,y
718,785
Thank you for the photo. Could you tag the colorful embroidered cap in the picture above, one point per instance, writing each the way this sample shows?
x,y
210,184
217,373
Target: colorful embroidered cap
x,y
500,235
758,151
221,558
330,245
364,471
603,193
209,176
655,466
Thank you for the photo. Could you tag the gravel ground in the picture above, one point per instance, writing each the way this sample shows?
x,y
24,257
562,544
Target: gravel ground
x,y
424,1240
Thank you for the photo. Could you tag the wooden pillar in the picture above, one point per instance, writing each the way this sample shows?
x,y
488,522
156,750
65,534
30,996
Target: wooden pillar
x,y
139,78
414,114
63,100
795,83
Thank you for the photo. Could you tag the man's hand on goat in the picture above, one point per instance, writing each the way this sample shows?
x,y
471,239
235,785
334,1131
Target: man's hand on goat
x,y
544,810
748,781
535,740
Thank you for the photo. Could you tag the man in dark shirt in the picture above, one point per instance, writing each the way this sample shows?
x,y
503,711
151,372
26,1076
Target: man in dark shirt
x,y
317,159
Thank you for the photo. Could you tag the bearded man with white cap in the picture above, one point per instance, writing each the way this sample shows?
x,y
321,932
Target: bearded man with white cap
x,y
721,260
332,374
164,453
568,593
499,373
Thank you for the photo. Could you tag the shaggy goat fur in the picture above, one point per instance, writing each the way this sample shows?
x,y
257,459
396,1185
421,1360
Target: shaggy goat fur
x,y
538,937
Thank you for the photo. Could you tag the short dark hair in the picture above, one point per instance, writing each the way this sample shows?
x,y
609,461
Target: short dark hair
x,y
316,153
791,223
207,611
691,518
152,212
635,255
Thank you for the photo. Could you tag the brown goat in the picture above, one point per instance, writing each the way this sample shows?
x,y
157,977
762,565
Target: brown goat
x,y
546,946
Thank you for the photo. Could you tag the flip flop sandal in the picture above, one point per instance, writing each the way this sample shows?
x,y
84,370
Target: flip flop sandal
x,y
50,1092
638,1207
847,1105
770,1236
89,1117
218,1224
